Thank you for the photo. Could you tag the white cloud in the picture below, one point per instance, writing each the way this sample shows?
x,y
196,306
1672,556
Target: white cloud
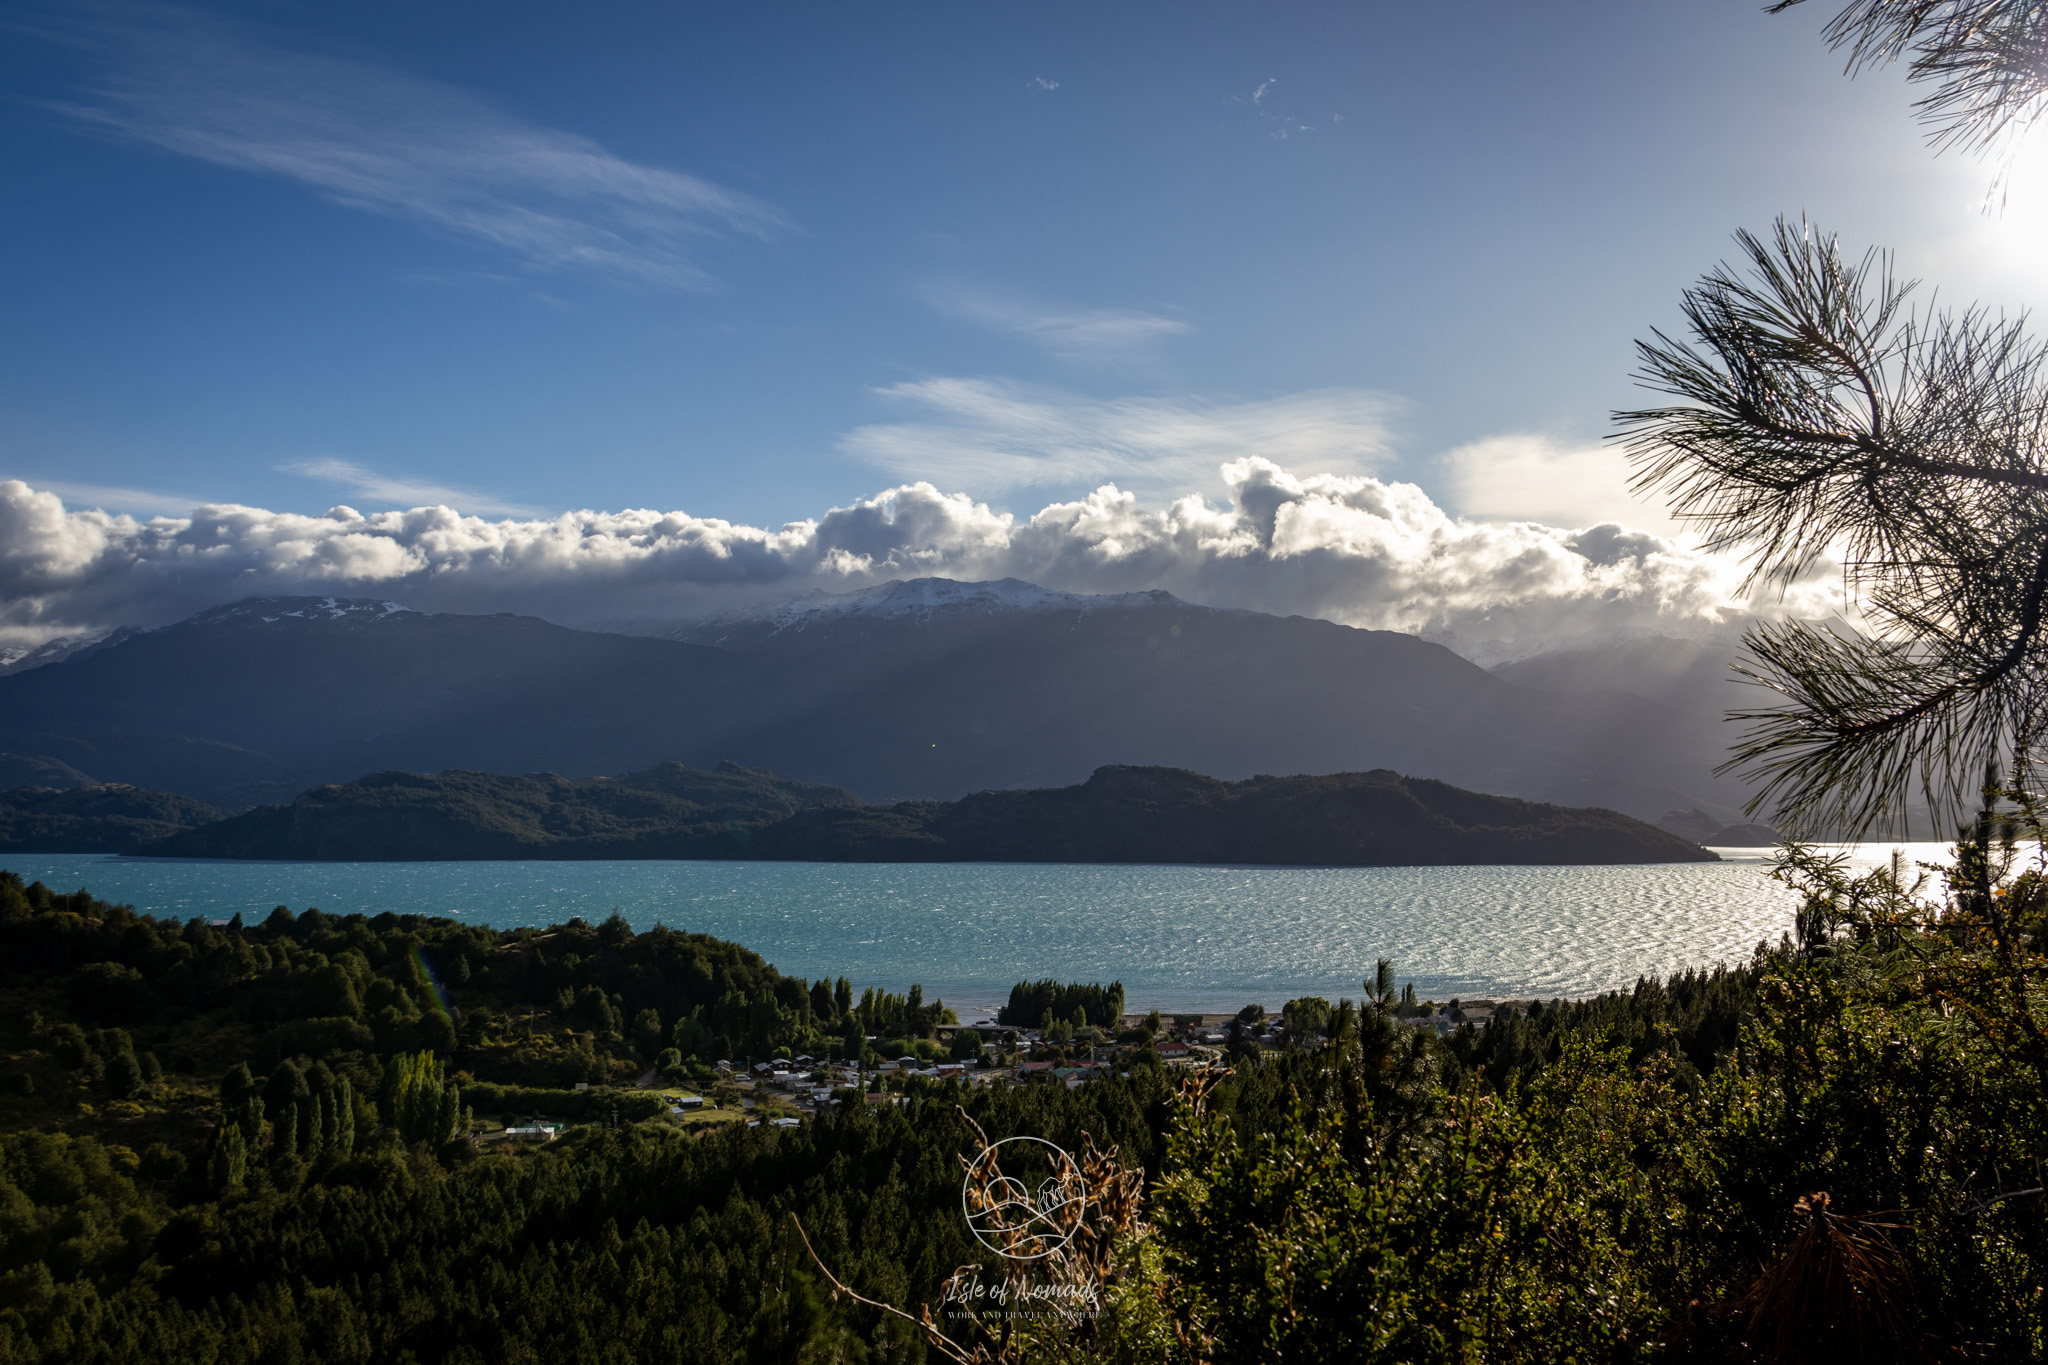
x,y
1285,125
368,483
1091,336
1350,548
401,145
1042,83
994,434
1523,477
148,501
1093,332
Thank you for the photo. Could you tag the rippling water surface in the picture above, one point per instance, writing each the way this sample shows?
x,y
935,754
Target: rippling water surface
x,y
1208,938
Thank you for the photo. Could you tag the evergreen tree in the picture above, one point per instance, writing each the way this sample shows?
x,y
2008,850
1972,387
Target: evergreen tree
x,y
647,1032
285,1086
236,1085
1984,59
123,1075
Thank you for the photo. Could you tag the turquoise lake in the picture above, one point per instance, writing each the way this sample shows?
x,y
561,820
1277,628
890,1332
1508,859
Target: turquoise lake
x,y
1189,938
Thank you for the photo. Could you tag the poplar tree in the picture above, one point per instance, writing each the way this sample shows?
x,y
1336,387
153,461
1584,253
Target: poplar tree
x,y
417,1099
227,1166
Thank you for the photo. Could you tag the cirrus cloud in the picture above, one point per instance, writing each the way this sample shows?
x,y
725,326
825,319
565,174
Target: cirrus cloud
x,y
368,483
1094,337
996,434
386,142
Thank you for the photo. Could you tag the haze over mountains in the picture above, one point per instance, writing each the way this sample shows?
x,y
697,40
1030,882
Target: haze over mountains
x,y
922,689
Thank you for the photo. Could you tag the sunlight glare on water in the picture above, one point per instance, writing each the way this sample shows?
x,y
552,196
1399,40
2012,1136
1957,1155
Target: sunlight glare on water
x,y
1208,938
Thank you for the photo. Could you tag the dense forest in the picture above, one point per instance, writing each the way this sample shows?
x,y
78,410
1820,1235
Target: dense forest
x,y
667,811
1129,814
254,1142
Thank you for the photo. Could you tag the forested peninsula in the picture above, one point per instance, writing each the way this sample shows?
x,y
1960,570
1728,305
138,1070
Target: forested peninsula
x,y
1120,815
667,811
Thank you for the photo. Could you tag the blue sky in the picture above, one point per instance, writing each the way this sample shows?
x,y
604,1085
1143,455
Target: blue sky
x,y
755,262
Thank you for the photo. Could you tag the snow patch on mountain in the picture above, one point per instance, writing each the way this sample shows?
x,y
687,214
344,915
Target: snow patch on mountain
x,y
66,647
272,610
916,599
921,597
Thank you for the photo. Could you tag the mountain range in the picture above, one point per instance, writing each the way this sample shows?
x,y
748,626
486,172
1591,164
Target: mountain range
x,y
927,689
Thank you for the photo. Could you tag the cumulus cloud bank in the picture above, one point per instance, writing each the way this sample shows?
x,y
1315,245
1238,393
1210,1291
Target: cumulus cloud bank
x,y
1528,477
1349,548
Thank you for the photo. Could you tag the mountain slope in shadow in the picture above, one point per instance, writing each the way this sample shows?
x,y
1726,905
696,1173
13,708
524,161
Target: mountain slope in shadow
x,y
968,690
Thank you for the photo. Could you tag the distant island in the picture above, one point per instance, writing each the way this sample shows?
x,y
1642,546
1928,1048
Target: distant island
x,y
1120,815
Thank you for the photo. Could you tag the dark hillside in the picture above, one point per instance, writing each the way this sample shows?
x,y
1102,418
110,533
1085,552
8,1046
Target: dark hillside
x,y
954,700
262,700
1164,815
1120,815
35,770
668,811
94,819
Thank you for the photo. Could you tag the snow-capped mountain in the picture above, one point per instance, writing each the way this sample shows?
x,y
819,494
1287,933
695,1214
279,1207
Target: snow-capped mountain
x,y
272,611
917,607
68,647
264,611
921,597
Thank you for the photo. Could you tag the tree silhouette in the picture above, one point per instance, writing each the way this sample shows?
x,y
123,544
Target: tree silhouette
x,y
1987,60
1820,416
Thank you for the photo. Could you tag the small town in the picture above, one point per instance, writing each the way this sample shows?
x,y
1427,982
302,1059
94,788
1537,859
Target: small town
x,y
780,1091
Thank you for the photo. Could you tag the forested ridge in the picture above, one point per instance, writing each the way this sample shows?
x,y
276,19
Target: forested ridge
x,y
1121,814
670,810
95,818
251,1142
247,1142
